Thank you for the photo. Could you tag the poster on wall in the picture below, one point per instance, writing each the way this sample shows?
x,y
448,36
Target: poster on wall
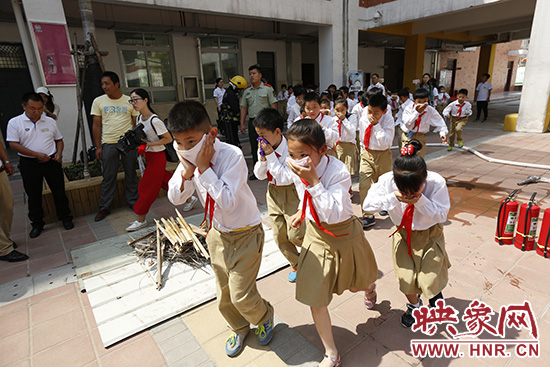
x,y
56,61
355,80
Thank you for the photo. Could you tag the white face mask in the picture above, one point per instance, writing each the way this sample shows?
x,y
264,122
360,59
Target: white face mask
x,y
302,162
191,154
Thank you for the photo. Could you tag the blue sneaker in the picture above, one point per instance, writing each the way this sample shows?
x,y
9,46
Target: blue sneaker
x,y
265,332
292,276
368,222
234,345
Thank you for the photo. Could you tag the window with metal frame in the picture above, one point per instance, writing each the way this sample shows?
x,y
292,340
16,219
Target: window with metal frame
x,y
147,62
220,58
12,56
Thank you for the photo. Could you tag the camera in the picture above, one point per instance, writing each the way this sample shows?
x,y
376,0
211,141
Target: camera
x,y
131,139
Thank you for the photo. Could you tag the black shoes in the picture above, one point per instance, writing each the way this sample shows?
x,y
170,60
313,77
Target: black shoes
x,y
14,256
407,320
68,223
101,215
35,232
253,177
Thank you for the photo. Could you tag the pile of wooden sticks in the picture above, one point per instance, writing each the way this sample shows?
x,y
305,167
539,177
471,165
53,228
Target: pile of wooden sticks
x,y
174,240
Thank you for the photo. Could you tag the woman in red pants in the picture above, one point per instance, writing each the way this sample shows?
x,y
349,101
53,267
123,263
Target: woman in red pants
x,y
155,175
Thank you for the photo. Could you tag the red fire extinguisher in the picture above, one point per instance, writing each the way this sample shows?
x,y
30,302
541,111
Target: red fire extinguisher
x,y
544,238
506,220
527,225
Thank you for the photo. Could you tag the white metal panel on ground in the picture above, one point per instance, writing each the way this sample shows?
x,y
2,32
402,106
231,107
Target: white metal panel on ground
x,y
125,301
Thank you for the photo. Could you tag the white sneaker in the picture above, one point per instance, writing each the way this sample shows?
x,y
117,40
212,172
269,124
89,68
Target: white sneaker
x,y
136,225
188,206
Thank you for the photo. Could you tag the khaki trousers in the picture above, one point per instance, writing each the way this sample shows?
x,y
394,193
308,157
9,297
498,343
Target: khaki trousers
x,y
421,137
236,258
374,163
6,214
282,203
455,129
346,153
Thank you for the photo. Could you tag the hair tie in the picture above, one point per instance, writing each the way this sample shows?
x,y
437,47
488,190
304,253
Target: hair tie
x,y
407,150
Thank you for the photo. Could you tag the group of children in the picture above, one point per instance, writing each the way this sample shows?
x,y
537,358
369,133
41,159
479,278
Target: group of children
x,y
309,172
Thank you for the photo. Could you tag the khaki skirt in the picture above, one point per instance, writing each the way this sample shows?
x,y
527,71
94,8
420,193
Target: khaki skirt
x,y
346,153
427,271
330,265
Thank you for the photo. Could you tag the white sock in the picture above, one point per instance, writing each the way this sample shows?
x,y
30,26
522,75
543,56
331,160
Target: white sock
x,y
415,305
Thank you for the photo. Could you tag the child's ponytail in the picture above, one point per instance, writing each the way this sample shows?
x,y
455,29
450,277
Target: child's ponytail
x,y
409,169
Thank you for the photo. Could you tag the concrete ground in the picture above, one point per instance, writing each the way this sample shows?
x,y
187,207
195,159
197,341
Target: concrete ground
x,y
46,321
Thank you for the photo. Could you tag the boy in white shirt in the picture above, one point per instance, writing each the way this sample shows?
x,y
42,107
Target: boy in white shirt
x,y
294,111
393,103
282,198
418,118
404,102
377,130
458,113
441,100
483,96
282,98
218,172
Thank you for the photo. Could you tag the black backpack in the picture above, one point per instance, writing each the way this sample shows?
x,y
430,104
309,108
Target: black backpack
x,y
171,155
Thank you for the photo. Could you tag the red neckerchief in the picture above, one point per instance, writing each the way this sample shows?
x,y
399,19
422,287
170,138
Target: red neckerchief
x,y
393,104
308,200
208,208
366,138
269,176
406,222
418,120
459,110
339,132
361,103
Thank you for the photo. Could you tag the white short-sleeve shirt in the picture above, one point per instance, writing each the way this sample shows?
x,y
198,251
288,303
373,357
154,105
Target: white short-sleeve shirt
x,y
218,94
39,137
151,135
483,91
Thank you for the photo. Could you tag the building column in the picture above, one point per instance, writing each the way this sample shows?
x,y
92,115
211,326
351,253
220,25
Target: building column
x,y
533,108
334,60
486,61
414,60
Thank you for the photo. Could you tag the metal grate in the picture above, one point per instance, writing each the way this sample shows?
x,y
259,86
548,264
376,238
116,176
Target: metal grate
x,y
12,56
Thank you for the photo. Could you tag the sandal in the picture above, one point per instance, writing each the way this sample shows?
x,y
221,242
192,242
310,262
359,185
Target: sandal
x,y
370,302
336,362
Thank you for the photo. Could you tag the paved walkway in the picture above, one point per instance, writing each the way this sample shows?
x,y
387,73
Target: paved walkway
x,y
46,321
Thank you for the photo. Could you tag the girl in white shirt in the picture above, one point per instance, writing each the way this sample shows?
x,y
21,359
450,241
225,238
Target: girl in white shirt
x,y
347,126
418,203
155,175
334,241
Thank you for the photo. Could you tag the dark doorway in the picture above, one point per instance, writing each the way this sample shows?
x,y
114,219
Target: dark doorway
x,y
394,63
509,76
266,60
308,74
15,80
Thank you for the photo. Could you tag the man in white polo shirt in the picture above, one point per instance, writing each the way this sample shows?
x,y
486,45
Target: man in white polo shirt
x,y
37,140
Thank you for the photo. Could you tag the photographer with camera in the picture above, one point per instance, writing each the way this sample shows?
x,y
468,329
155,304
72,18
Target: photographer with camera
x,y
113,117
155,175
